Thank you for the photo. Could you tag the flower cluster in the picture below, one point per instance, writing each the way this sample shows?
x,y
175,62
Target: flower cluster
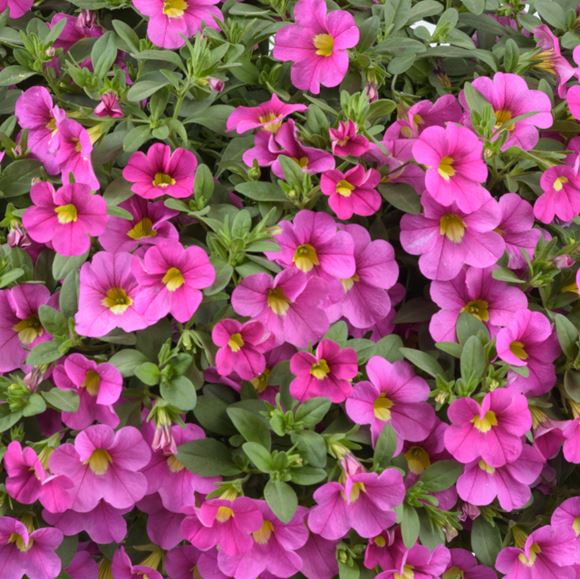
x,y
289,289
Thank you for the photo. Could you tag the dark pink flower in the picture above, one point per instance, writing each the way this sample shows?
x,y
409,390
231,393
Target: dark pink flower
x,y
346,142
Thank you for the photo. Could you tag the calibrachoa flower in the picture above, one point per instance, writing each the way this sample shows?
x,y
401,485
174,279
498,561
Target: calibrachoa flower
x,y
571,446
463,565
561,196
491,430
395,396
123,568
67,217
16,8
161,172
170,279
346,141
417,560
109,106
353,192
316,45
328,372
453,156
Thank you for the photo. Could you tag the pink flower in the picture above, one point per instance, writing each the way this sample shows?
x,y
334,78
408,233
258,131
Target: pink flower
x,y
571,447
455,167
395,396
76,28
316,45
98,386
447,238
481,483
20,327
171,22
546,553
181,562
163,526
346,142
561,197
267,116
475,292
364,501
241,348
170,279
567,517
161,172
16,8
229,524
109,106
492,430
150,225
287,306
273,549
419,560
123,568
528,342
104,464
318,558
517,229
328,373
353,192
107,295
311,244
463,565
67,217
31,554
573,98
510,97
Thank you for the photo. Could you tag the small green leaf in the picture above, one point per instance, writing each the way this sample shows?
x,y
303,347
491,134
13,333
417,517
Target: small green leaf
x,y
180,393
127,360
410,524
261,191
423,361
473,359
44,353
65,400
312,412
258,455
385,447
567,336
207,457
485,541
282,499
148,373
253,427
441,475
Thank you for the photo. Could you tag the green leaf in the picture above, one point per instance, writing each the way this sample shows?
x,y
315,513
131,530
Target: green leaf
x,y
474,6
468,325
261,191
338,333
36,405
16,178
204,184
148,373
385,447
253,427
104,54
127,360
485,541
136,137
572,384
473,359
401,196
14,74
410,524
62,265
312,447
7,422
389,348
144,89
312,412
308,475
207,457
211,414
127,35
423,361
281,498
65,400
441,475
552,13
44,354
258,455
53,320
223,275
10,277
180,393
567,336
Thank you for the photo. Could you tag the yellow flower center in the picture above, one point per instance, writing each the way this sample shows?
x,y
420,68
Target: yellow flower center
x,y
99,461
66,213
486,423
224,514
270,122
92,382
263,534
51,125
534,551
278,302
260,383
305,257
117,300
28,330
302,161
324,44
445,169
174,8
163,179
236,342
559,183
478,309
356,490
454,573
576,525
452,226
408,573
486,467
518,350
78,145
18,540
379,541
174,464
349,282
546,60
141,229
344,188
501,117
173,279
382,408
417,459
320,369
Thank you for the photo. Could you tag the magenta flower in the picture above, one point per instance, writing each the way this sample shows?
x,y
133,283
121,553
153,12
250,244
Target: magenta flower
x,y
229,524
161,172
150,225
67,217
104,464
20,327
561,196
241,348
395,396
363,501
492,430
123,568
273,548
517,229
16,8
109,106
287,305
316,45
473,291
267,116
481,483
84,25
567,517
311,243
546,553
74,154
107,295
446,238
318,558
510,97
455,168
571,446
353,192
171,22
419,560
31,554
98,386
346,142
328,373
573,98
463,565
170,279
528,341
